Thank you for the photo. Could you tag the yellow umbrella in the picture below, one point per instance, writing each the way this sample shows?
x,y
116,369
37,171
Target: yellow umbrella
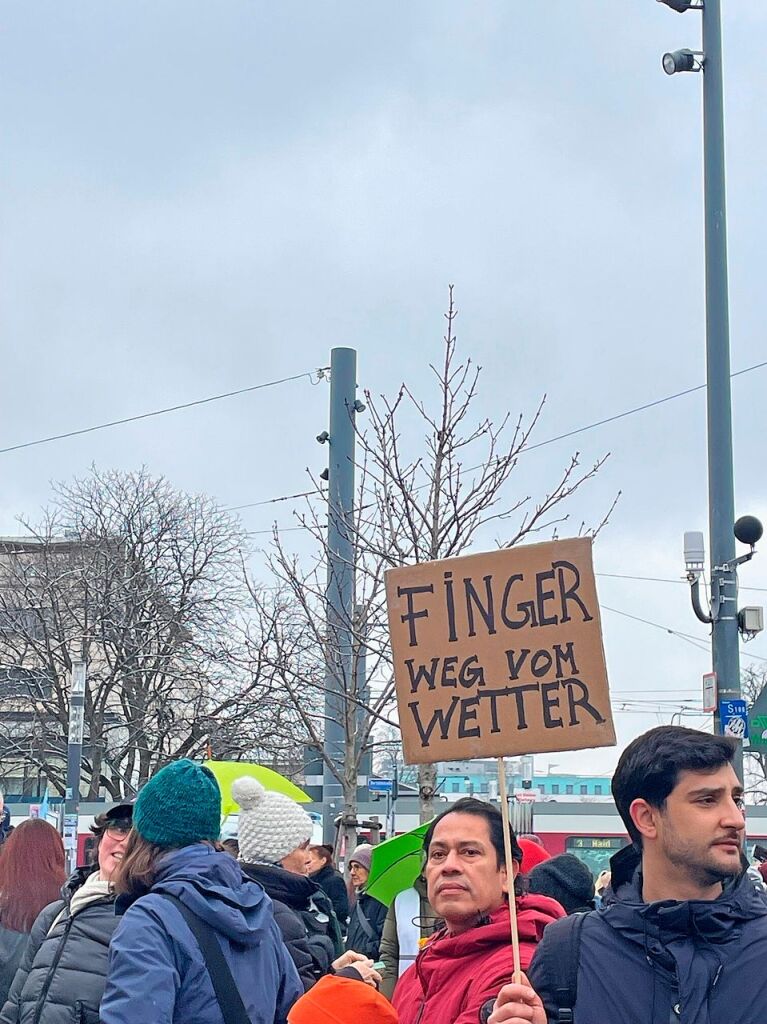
x,y
227,771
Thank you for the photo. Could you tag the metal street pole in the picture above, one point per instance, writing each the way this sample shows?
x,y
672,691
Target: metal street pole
x,y
340,581
362,692
74,761
721,498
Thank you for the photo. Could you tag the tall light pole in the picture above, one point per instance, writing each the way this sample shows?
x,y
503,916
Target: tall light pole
x,y
721,499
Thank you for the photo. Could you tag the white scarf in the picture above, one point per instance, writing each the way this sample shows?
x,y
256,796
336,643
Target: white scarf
x,y
93,888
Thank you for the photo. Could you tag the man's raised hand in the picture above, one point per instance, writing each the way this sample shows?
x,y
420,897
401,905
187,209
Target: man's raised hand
x,y
518,1004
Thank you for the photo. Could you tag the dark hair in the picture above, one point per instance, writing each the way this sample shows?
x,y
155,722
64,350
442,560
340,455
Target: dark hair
x,y
494,819
324,851
135,872
31,873
650,765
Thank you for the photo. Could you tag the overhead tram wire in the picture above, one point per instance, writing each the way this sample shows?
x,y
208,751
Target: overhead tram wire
x,y
660,579
157,412
540,444
695,641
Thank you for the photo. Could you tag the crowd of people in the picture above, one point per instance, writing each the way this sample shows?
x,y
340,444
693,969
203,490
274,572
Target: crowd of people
x,y
170,926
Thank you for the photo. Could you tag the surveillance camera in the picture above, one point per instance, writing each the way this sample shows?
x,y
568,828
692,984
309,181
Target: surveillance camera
x,y
323,437
748,530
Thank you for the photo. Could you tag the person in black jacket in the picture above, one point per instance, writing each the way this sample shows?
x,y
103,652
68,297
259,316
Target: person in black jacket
x,y
273,836
330,881
61,978
368,914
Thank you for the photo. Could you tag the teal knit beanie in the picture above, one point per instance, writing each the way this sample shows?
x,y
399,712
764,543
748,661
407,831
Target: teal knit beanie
x,y
180,805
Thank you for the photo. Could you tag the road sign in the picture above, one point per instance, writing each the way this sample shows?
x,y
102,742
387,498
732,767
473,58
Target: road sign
x,y
709,691
381,785
757,723
734,718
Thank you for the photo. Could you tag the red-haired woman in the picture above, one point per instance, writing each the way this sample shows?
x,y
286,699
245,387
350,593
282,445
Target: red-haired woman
x,y
31,876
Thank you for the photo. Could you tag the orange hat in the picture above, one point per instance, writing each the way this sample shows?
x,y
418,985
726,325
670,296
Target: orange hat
x,y
532,855
336,1000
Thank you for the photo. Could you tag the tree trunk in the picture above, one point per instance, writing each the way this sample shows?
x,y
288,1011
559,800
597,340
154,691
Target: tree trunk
x,y
346,839
427,790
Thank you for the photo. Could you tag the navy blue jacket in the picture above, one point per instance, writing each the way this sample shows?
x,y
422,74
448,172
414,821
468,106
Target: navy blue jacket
x,y
157,974
692,962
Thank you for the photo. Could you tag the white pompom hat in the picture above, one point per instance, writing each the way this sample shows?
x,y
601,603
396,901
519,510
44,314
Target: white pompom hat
x,y
271,825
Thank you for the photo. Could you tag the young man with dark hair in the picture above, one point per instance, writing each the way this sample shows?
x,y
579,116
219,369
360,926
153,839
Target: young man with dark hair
x,y
464,964
682,939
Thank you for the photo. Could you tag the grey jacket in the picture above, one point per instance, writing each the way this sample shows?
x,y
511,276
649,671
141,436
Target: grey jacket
x,y
61,977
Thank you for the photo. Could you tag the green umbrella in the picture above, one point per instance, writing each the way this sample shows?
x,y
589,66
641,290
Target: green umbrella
x,y
395,865
227,771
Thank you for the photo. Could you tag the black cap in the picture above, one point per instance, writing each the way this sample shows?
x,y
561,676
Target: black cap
x,y
120,812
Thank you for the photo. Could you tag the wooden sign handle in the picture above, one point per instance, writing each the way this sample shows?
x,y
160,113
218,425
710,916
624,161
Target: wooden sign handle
x,y
517,977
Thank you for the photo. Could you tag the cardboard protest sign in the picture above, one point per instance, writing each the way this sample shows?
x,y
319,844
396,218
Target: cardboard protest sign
x,y
499,653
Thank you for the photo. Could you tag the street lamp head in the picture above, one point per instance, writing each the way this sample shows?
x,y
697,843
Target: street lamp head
x,y
679,60
680,6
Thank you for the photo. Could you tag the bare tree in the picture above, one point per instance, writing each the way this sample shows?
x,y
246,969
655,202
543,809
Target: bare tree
x,y
432,476
143,583
427,503
292,635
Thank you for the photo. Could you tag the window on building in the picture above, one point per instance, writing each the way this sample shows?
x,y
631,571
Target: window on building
x,y
568,789
456,787
484,787
584,790
25,682
597,790
555,788
541,789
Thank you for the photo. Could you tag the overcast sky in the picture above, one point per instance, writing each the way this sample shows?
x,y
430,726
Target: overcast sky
x,y
198,197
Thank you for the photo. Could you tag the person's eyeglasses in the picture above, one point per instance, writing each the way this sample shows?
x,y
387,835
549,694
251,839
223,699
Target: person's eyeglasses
x,y
116,832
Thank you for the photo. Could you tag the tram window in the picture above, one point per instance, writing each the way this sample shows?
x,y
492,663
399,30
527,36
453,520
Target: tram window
x,y
595,851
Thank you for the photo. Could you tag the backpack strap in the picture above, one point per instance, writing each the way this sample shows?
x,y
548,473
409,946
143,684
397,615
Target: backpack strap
x,y
224,985
366,926
563,954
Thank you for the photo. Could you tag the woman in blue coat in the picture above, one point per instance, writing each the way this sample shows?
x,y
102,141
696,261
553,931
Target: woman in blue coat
x,y
157,972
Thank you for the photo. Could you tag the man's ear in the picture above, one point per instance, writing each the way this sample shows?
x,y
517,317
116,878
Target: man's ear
x,y
645,818
505,875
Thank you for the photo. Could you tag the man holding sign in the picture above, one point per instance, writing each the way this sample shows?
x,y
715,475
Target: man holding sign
x,y
494,654
469,885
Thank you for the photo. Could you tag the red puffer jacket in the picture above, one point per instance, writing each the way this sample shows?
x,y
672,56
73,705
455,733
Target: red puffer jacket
x,y
455,975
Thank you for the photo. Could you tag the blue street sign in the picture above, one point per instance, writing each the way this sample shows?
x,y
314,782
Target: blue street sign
x,y
381,785
734,717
